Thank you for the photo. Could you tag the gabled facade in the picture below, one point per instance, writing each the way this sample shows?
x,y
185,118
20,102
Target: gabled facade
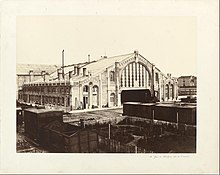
x,y
99,83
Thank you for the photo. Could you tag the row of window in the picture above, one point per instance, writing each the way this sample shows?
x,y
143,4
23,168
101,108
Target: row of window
x,y
45,100
94,89
187,82
188,92
47,90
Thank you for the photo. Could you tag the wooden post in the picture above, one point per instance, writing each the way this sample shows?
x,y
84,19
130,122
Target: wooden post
x,y
109,131
153,116
79,142
177,118
88,141
136,149
63,64
97,139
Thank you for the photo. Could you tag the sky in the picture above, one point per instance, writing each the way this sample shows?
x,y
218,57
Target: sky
x,y
167,41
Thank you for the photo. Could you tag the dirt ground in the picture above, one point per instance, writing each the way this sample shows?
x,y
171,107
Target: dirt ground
x,y
24,145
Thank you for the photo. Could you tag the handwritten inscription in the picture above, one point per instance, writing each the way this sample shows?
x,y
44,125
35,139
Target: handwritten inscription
x,y
168,156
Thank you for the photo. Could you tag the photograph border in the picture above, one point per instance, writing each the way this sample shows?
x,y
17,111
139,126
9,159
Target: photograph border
x,y
204,161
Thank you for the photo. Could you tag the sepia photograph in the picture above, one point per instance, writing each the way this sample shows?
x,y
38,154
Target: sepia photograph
x,y
74,96
109,87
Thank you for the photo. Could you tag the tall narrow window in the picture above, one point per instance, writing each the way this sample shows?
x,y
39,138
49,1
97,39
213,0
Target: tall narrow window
x,y
134,75
157,77
128,75
142,76
122,79
125,78
112,76
139,74
136,71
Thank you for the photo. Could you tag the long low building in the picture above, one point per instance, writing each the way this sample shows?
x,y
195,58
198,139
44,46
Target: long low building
x,y
98,84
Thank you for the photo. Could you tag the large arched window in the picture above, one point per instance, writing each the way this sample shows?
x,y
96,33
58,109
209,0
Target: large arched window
x,y
167,91
135,75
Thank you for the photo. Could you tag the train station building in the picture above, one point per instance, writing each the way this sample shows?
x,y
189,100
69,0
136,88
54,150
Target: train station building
x,y
97,84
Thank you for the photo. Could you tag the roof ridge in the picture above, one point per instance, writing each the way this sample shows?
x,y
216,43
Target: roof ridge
x,y
119,55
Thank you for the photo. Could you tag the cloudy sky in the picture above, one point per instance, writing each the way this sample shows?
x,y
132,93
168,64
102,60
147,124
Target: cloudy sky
x,y
168,42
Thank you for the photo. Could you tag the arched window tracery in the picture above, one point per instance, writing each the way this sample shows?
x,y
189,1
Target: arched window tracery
x,y
135,75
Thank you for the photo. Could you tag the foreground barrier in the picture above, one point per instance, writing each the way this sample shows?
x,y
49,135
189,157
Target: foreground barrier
x,y
173,113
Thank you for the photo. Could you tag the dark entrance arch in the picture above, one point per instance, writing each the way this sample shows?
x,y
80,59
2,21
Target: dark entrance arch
x,y
85,96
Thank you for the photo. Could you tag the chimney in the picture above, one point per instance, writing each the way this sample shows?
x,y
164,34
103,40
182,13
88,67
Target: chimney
x,y
78,70
85,72
70,74
75,70
59,74
43,75
31,75
89,58
47,76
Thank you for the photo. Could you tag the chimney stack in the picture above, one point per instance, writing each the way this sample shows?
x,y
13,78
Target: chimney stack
x,y
31,75
59,74
47,76
70,74
89,58
43,75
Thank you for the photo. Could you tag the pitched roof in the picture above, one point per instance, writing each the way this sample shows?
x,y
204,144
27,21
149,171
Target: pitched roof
x,y
92,67
37,68
106,62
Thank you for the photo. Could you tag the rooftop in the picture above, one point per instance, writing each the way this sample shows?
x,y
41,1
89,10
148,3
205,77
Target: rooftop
x,y
93,67
38,111
106,62
188,76
37,68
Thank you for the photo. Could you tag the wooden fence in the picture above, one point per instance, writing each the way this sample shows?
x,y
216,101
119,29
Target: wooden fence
x,y
114,146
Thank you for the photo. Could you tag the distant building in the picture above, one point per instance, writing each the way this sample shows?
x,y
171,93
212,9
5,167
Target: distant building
x,y
99,83
187,85
26,73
